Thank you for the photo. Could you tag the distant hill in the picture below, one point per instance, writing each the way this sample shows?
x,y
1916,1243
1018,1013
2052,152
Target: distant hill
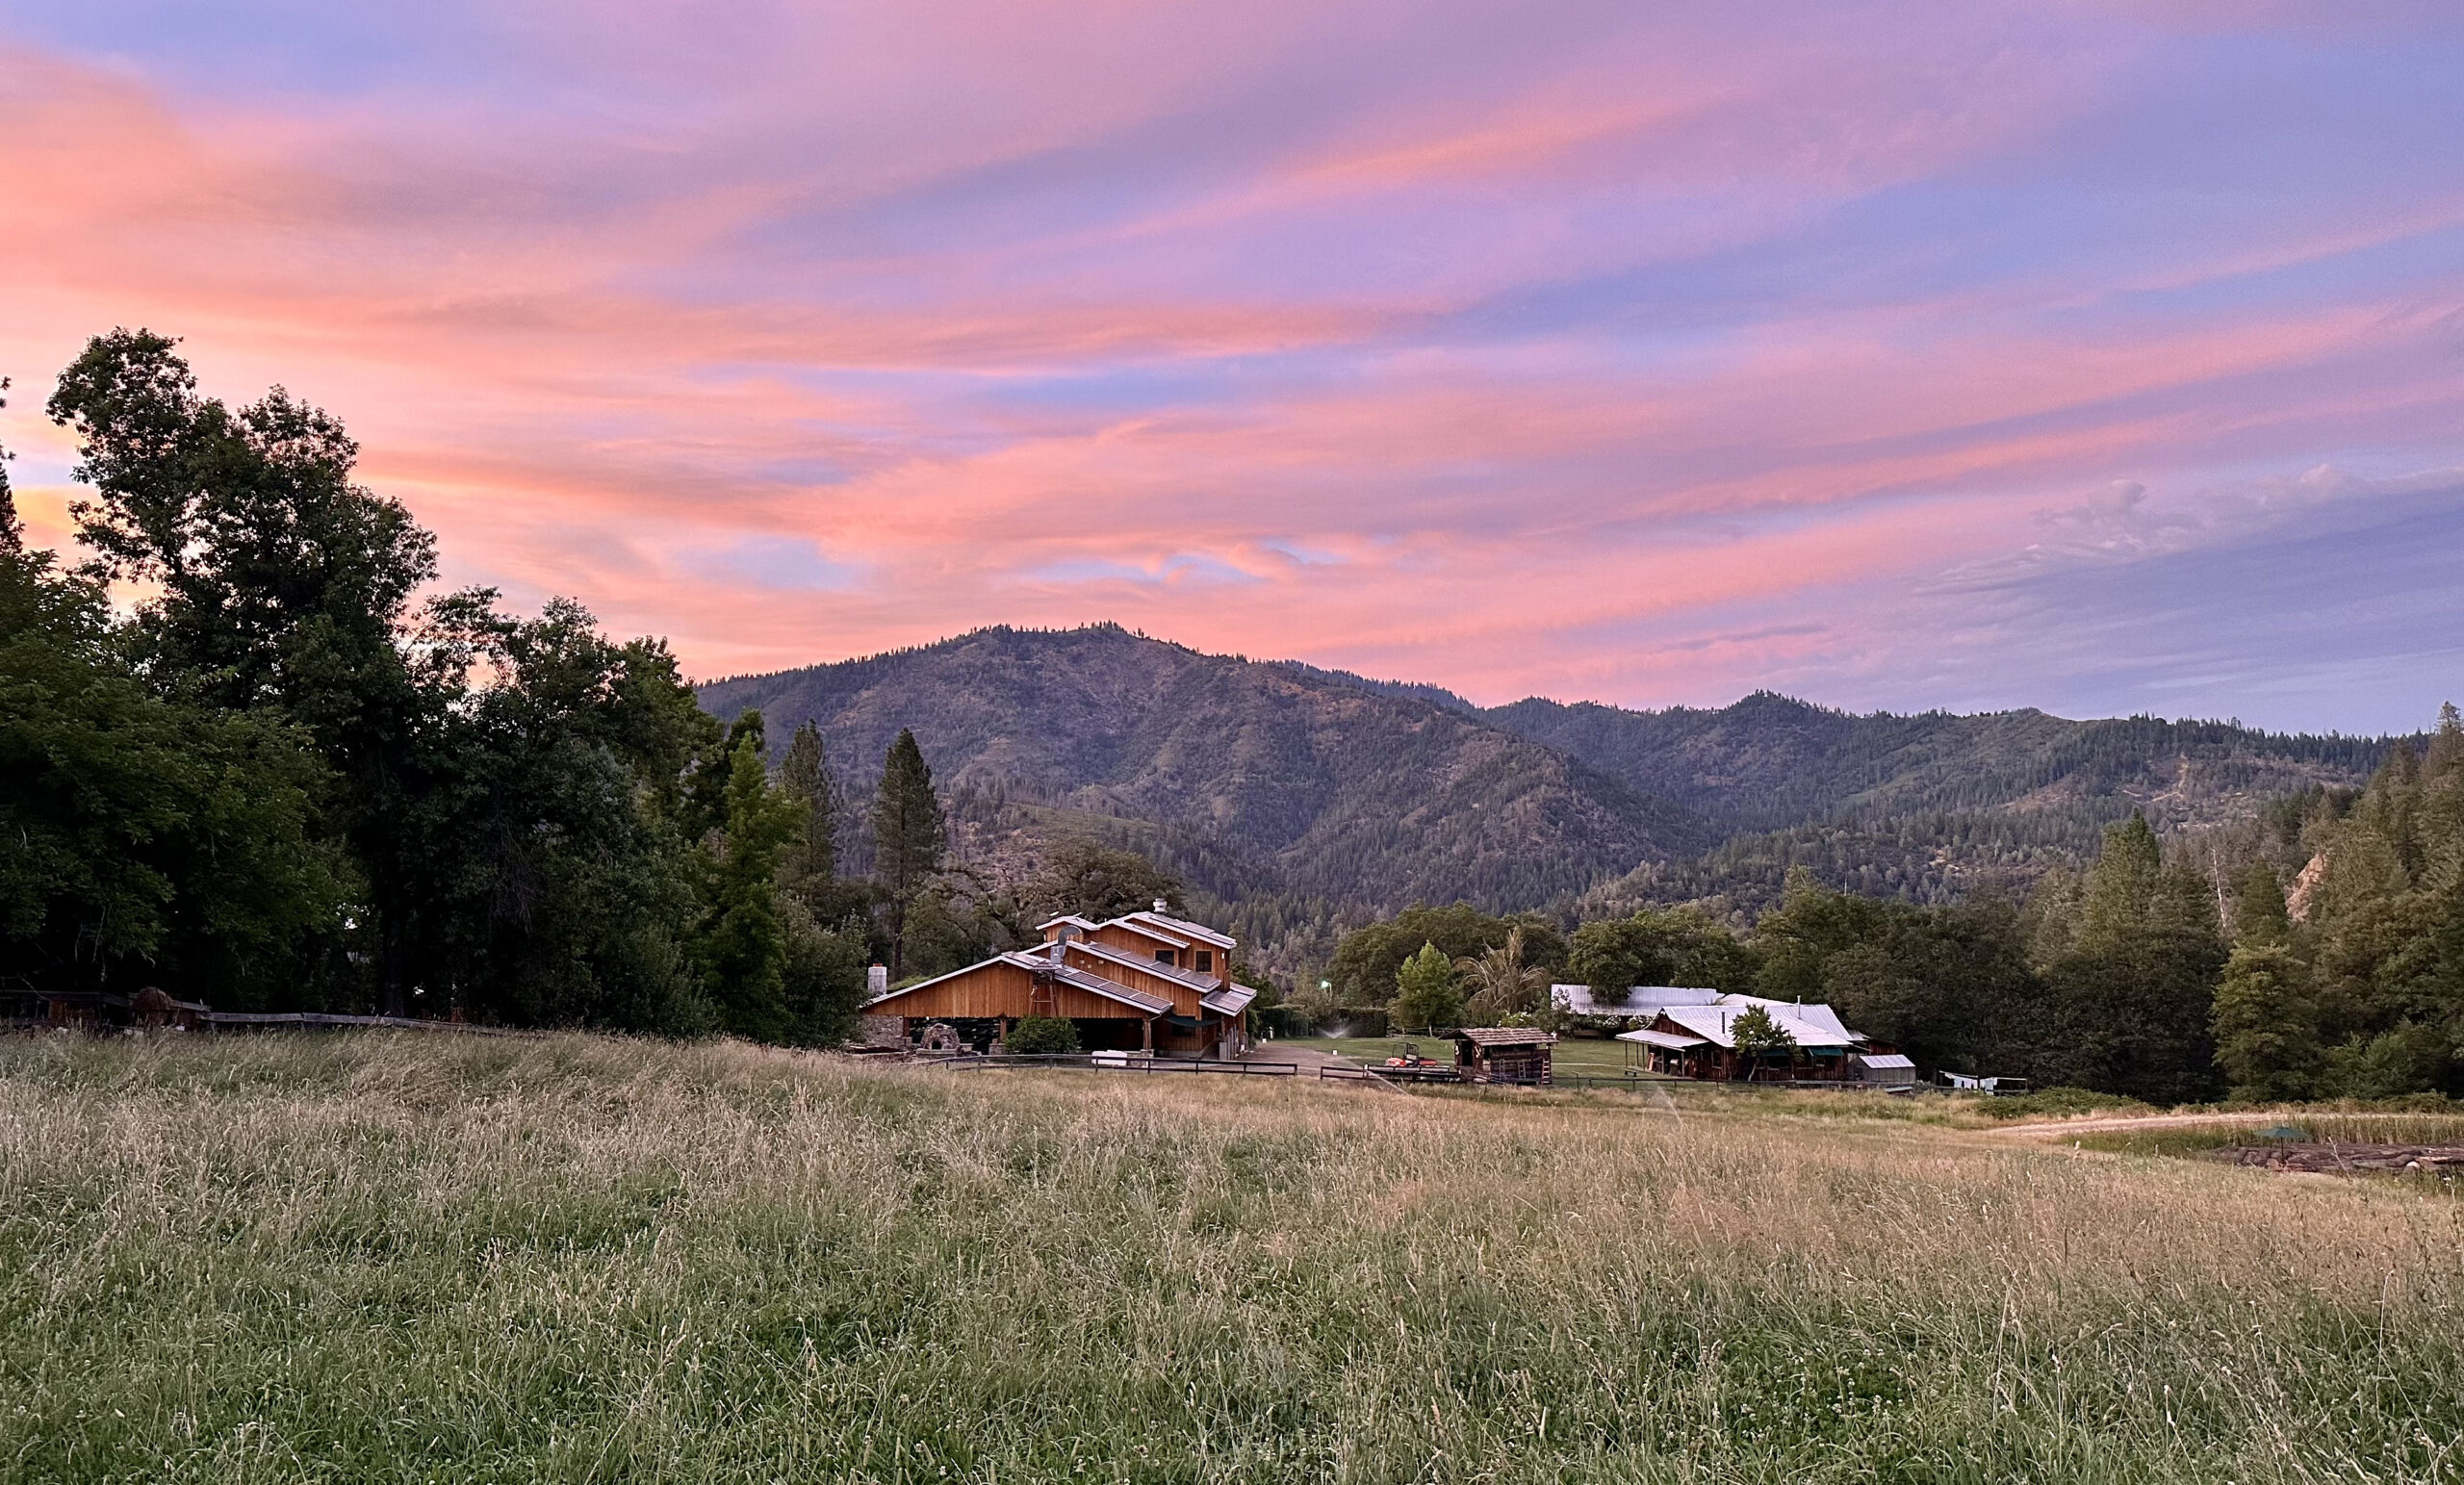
x,y
1920,806
1248,777
1309,797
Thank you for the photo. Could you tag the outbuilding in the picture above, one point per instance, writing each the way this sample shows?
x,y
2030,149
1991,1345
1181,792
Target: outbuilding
x,y
1504,1054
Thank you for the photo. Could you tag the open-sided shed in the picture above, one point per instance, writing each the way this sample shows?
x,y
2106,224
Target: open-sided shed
x,y
1504,1054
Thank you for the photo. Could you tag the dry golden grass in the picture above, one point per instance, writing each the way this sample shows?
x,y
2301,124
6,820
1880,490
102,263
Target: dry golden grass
x,y
572,1257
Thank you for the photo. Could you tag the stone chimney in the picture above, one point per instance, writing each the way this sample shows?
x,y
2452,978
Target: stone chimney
x,y
877,980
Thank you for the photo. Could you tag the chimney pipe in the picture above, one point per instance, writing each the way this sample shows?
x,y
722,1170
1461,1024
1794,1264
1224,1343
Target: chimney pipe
x,y
1161,903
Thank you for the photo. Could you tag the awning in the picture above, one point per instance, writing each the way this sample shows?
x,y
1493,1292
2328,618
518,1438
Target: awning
x,y
1667,1039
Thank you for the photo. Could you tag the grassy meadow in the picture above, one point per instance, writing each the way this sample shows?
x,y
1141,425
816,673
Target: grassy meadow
x,y
359,1258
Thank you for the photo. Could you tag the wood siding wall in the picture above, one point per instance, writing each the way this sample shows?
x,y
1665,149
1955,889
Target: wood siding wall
x,y
1185,998
995,990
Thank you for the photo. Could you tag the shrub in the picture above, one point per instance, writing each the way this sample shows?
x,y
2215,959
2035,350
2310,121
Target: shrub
x,y
1038,1035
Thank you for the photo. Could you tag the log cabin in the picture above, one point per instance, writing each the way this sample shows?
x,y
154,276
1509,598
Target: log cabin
x,y
1143,981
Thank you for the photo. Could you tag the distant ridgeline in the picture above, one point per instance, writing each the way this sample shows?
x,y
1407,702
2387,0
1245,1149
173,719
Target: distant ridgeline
x,y
1305,800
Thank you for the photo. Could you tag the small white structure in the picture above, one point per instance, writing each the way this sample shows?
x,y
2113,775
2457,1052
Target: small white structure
x,y
1883,1070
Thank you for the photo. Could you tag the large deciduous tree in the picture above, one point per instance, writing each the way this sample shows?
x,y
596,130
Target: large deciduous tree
x,y
273,583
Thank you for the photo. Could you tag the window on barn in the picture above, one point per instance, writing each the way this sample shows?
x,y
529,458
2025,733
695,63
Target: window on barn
x,y
1206,961
1163,955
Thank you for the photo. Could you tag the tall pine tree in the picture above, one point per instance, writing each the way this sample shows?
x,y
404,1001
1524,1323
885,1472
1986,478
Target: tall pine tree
x,y
809,867
909,840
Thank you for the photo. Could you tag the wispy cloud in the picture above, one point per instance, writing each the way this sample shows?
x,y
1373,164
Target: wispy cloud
x,y
1584,348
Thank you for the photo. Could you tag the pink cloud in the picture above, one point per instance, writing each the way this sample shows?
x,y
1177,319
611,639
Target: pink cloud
x,y
1586,351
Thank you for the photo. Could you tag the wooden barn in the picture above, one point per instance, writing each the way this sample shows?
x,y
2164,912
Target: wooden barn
x,y
1143,981
1503,1054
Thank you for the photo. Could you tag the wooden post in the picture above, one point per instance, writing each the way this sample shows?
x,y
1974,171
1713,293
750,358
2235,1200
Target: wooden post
x,y
1146,1028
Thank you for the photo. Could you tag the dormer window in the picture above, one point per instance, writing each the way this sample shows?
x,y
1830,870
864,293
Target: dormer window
x,y
1206,961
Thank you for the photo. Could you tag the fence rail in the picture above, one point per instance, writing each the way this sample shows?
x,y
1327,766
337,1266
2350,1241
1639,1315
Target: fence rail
x,y
1099,1062
241,1020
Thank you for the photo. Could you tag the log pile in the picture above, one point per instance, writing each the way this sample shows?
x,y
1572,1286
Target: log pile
x,y
2332,1158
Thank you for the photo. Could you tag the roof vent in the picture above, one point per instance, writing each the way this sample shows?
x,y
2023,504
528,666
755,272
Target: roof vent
x,y
1161,903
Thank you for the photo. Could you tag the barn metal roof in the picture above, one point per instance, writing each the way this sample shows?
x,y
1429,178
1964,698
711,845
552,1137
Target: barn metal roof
x,y
1231,1000
1146,930
1809,1025
1885,1060
1197,930
1642,1002
1668,1039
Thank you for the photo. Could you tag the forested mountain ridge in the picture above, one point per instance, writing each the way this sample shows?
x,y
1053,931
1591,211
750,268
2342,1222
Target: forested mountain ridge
x,y
1924,807
1248,777
1769,762
1325,789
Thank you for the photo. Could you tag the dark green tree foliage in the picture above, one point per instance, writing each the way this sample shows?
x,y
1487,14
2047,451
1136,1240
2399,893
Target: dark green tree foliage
x,y
2128,1007
1426,994
2383,931
278,584
2260,916
1657,947
1950,986
1366,961
1042,1035
1760,1038
1095,880
1813,924
548,882
743,942
809,866
13,531
910,836
146,838
277,785
2267,1031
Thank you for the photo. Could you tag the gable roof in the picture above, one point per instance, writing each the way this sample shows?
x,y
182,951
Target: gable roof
x,y
1642,1002
1144,930
1809,1025
1231,1000
1042,963
1197,930
1505,1035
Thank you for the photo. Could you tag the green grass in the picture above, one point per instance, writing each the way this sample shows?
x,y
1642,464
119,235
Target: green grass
x,y
1589,1057
396,1258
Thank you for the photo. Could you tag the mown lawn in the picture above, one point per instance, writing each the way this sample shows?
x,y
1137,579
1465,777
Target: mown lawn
x,y
382,1258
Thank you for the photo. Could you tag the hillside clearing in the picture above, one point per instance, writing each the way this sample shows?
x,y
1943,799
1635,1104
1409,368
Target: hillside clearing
x,y
570,1259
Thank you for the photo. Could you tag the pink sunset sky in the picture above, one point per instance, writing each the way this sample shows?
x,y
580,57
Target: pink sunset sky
x,y
2095,356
